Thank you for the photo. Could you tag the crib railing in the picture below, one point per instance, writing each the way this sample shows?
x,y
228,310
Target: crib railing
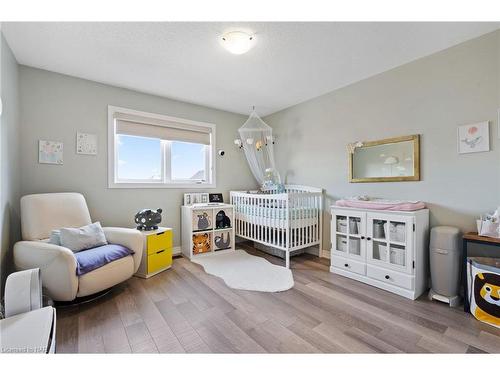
x,y
262,217
287,221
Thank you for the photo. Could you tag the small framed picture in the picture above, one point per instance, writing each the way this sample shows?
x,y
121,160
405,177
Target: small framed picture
x,y
194,198
86,144
216,198
474,138
50,152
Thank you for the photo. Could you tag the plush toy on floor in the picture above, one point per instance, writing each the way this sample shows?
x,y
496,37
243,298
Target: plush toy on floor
x,y
148,219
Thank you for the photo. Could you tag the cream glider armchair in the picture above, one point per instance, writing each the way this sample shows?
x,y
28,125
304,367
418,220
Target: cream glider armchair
x,y
42,213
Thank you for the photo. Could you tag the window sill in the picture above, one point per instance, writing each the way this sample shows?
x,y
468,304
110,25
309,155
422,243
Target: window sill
x,y
131,185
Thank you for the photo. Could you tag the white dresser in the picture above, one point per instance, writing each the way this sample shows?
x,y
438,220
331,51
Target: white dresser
x,y
386,249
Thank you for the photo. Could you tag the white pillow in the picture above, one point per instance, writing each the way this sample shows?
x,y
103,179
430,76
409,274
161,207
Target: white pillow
x,y
55,237
86,237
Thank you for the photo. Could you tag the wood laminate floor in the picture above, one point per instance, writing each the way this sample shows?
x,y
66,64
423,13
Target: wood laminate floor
x,y
185,310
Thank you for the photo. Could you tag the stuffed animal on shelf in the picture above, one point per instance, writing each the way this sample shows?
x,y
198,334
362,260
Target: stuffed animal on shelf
x,y
148,219
201,243
203,221
220,243
222,220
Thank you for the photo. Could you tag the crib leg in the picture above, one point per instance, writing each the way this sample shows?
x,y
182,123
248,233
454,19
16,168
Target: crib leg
x,y
287,257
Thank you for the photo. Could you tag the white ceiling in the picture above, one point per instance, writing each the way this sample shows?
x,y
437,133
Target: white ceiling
x,y
290,63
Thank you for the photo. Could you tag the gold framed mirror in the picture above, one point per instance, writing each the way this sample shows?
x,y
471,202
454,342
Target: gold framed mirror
x,y
386,160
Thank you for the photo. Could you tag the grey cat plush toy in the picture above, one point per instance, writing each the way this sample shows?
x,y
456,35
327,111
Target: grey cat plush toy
x,y
148,219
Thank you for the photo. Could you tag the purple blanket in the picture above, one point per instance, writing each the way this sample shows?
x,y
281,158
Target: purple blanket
x,y
91,259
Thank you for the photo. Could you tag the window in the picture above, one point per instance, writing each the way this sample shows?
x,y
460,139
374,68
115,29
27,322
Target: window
x,y
150,150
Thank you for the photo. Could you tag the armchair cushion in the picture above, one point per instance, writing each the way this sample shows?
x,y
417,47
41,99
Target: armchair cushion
x,y
130,238
91,259
86,237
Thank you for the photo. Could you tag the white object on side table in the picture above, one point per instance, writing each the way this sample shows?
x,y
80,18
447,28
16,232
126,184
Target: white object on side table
x,y
388,249
200,234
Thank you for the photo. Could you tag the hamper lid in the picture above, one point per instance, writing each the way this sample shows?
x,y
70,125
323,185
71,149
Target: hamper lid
x,y
446,238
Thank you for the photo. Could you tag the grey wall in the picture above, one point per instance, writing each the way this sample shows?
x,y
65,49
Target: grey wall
x,y
55,107
431,97
9,159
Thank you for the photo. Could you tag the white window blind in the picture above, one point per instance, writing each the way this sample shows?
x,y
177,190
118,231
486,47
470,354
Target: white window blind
x,y
148,150
166,130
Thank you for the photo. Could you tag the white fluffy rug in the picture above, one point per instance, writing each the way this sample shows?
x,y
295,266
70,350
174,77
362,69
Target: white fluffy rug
x,y
240,270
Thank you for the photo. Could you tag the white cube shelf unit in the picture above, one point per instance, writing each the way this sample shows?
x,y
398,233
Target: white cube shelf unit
x,y
207,229
386,249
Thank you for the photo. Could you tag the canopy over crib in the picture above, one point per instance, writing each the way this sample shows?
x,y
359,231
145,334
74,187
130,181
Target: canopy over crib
x,y
258,144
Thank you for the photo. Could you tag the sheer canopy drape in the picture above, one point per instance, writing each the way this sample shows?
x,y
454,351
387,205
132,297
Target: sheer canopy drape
x,y
257,140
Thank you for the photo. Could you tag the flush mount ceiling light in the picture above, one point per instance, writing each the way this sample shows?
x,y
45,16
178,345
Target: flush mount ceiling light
x,y
237,42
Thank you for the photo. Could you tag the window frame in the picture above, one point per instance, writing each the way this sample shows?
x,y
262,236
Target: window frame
x,y
164,183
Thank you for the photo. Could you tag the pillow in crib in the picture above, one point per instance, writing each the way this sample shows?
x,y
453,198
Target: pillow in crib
x,y
86,237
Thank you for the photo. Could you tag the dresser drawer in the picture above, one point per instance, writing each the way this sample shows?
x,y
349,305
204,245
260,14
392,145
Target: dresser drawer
x,y
159,241
390,277
159,260
349,265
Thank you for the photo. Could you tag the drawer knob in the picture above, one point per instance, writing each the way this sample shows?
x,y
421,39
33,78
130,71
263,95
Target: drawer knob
x,y
347,264
387,277
362,237
368,238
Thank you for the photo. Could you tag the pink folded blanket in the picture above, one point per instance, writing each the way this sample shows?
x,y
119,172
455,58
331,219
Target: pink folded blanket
x,y
380,204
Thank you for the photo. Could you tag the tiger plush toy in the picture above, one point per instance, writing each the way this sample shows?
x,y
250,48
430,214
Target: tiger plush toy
x,y
201,243
487,298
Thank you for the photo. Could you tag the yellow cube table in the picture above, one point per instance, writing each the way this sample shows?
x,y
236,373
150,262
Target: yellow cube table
x,y
157,253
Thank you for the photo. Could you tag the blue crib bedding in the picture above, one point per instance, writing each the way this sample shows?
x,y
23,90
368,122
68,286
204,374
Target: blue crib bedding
x,y
277,212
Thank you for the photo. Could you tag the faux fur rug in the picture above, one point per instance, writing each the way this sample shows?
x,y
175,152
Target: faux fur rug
x,y
240,270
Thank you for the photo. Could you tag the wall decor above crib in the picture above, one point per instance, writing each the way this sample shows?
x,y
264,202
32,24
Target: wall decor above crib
x,y
257,142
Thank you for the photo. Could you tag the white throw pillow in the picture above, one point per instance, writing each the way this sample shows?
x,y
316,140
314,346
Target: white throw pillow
x,y
86,237
55,237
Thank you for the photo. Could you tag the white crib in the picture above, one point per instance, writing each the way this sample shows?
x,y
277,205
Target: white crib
x,y
287,221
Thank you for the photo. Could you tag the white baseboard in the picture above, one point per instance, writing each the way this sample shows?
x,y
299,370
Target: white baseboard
x,y
177,250
325,254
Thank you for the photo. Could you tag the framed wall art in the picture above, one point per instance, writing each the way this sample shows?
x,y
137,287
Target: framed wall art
x,y
474,138
50,152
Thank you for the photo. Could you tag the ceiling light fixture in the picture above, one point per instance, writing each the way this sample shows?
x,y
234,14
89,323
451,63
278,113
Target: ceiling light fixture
x,y
237,42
